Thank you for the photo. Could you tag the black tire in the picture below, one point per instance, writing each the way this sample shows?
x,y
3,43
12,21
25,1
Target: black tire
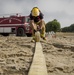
x,y
20,32
5,34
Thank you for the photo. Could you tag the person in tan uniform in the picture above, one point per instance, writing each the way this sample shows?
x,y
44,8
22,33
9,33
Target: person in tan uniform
x,y
37,23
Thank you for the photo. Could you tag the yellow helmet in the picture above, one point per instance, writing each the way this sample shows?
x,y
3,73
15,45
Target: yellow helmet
x,y
35,11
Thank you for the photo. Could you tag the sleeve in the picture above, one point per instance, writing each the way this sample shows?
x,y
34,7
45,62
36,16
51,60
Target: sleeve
x,y
31,17
41,16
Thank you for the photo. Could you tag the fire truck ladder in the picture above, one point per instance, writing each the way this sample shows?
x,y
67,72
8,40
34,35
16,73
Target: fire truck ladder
x,y
38,66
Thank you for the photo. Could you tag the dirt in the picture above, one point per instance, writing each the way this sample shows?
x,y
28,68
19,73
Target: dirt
x,y
16,54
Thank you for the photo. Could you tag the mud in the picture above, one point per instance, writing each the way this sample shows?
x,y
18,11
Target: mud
x,y
16,54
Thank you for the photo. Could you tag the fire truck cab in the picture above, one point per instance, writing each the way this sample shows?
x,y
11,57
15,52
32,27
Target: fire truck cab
x,y
15,24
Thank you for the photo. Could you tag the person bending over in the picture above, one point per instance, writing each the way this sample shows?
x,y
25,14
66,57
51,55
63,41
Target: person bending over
x,y
37,23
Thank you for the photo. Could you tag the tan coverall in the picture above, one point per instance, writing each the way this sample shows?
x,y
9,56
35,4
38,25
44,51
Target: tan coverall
x,y
41,24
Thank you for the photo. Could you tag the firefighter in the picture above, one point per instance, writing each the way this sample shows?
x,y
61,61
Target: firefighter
x,y
37,23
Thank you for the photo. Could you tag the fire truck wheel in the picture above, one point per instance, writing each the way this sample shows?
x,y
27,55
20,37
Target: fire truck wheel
x,y
20,32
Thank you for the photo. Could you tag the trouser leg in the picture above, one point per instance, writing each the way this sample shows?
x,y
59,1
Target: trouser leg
x,y
42,23
34,28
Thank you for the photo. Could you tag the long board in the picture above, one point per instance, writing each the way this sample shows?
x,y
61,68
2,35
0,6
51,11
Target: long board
x,y
38,66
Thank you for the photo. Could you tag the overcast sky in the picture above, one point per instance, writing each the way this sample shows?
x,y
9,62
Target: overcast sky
x,y
62,10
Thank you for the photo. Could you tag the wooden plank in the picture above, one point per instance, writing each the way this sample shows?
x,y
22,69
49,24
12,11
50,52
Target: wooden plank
x,y
37,36
38,66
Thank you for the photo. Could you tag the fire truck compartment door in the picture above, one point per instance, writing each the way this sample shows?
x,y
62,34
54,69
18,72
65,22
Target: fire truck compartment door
x,y
1,29
5,30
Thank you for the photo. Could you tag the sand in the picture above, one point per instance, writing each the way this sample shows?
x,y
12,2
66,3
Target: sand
x,y
16,54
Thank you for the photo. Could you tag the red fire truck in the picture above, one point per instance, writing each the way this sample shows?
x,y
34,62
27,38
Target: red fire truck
x,y
15,24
